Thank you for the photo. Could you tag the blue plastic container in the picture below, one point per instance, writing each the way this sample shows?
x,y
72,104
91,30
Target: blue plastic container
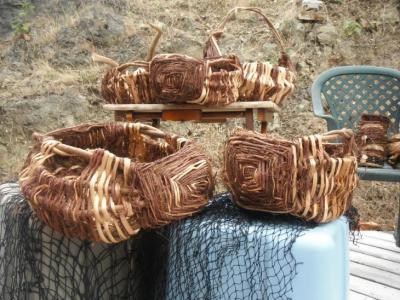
x,y
222,260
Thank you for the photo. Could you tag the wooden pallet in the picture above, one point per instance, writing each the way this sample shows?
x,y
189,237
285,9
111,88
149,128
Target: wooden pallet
x,y
191,112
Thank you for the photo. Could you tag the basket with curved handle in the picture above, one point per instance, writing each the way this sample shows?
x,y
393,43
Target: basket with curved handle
x,y
103,182
262,80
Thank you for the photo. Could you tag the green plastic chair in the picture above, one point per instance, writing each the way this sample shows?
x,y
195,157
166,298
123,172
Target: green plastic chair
x,y
350,91
346,93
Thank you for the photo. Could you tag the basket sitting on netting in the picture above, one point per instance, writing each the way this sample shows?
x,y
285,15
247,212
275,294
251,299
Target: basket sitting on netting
x,y
126,179
309,178
262,81
372,139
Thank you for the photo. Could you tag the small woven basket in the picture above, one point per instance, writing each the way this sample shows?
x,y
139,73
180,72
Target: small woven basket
x,y
262,81
394,150
103,182
308,178
120,86
180,78
372,140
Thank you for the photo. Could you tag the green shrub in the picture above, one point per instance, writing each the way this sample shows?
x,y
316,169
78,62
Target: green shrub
x,y
21,24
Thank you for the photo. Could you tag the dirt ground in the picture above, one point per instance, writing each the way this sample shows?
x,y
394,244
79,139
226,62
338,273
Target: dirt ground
x,y
48,81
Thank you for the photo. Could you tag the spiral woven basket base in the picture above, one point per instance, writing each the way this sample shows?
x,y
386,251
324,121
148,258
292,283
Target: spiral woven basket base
x,y
311,178
103,182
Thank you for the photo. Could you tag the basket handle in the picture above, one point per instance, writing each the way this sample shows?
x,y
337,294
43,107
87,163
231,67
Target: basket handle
x,y
136,63
347,135
212,49
68,150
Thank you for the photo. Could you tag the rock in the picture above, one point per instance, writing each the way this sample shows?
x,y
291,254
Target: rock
x,y
390,15
103,28
327,35
20,118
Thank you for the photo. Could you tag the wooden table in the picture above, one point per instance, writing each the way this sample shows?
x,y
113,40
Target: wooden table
x,y
199,113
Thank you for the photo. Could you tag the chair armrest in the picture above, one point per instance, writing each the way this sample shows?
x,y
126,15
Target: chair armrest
x,y
319,110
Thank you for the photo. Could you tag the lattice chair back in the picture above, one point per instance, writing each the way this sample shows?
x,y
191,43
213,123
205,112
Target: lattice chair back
x,y
351,91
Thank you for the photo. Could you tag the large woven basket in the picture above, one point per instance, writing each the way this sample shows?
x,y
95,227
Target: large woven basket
x,y
261,80
103,182
310,178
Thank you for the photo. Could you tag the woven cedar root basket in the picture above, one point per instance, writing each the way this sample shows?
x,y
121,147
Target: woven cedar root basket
x,y
310,178
103,182
372,140
394,150
121,86
262,80
180,78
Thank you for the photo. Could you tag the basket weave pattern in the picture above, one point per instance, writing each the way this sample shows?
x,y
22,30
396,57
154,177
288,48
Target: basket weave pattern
x,y
261,80
108,194
309,178
372,139
120,86
394,150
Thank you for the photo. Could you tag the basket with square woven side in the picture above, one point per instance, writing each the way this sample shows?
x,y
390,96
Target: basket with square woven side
x,y
172,78
262,81
311,178
103,182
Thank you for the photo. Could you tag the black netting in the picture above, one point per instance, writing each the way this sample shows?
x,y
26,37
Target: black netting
x,y
228,253
38,263
222,253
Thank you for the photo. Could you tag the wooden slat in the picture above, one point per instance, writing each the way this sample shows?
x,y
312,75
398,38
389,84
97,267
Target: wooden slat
x,y
372,289
357,296
375,275
376,252
236,106
391,246
375,262
380,235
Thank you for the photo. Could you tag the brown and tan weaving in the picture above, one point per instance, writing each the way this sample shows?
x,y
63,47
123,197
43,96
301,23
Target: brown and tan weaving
x,y
372,140
172,78
394,150
103,182
262,80
177,78
215,80
311,177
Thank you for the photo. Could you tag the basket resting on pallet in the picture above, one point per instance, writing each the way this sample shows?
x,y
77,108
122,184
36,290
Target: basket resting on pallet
x,y
103,182
262,81
216,79
309,178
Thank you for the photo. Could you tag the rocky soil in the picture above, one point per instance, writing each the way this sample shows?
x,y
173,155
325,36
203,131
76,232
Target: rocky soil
x,y
48,81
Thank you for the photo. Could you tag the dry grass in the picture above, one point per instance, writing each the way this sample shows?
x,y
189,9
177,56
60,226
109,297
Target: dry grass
x,y
31,68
